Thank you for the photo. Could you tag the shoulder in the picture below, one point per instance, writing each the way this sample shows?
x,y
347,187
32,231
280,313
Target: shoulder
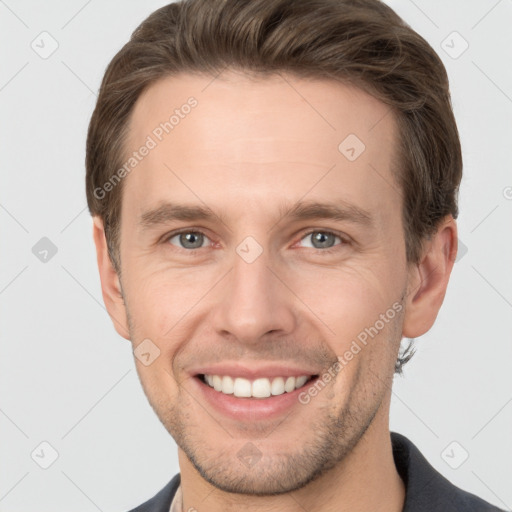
x,y
426,489
161,502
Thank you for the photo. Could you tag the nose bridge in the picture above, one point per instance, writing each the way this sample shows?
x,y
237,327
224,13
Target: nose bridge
x,y
254,301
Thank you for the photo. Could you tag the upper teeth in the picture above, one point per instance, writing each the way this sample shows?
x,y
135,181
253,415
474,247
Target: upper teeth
x,y
259,388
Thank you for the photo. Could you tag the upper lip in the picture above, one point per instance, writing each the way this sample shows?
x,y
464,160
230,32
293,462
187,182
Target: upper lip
x,y
254,372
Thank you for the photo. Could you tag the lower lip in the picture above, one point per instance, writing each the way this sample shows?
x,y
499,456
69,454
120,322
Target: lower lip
x,y
251,409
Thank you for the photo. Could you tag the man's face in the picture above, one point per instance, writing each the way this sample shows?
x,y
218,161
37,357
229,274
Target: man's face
x,y
255,289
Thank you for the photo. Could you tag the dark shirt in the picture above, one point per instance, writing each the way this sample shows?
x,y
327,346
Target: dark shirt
x,y
426,489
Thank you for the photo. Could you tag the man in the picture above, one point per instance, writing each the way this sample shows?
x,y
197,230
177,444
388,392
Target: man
x,y
274,191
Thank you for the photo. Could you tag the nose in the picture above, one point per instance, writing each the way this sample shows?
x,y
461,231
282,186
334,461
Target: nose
x,y
254,302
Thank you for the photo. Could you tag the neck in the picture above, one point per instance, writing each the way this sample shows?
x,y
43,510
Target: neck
x,y
366,479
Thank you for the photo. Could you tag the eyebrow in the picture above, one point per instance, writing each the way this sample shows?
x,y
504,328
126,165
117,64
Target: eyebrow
x,y
338,211
168,212
306,210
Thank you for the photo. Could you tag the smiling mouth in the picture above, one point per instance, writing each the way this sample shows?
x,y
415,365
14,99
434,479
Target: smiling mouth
x,y
256,388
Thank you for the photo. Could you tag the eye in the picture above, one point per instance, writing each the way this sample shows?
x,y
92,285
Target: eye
x,y
188,239
323,240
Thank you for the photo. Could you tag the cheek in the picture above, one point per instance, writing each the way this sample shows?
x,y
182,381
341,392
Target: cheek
x,y
350,298
159,299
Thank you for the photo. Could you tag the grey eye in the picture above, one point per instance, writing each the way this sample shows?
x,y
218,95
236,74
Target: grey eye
x,y
189,239
321,239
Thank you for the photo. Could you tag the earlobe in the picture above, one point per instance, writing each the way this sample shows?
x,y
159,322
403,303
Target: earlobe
x,y
428,280
110,284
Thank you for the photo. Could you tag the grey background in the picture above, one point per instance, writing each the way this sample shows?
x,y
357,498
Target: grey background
x,y
68,379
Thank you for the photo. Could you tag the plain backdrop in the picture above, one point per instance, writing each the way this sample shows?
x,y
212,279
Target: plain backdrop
x,y
69,381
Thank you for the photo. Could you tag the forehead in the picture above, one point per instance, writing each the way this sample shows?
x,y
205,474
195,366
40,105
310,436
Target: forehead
x,y
240,138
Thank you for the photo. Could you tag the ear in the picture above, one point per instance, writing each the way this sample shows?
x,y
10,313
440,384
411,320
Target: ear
x,y
428,280
110,284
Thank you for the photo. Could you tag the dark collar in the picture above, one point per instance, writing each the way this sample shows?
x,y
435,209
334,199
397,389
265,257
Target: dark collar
x,y
426,489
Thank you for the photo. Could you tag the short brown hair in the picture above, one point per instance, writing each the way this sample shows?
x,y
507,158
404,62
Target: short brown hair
x,y
361,42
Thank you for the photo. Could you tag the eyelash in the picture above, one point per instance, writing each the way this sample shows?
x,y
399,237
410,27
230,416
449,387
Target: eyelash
x,y
344,240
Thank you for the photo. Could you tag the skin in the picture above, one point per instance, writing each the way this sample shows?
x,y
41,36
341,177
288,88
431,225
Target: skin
x,y
250,148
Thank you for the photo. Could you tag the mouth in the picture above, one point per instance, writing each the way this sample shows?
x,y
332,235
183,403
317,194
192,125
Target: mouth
x,y
250,401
